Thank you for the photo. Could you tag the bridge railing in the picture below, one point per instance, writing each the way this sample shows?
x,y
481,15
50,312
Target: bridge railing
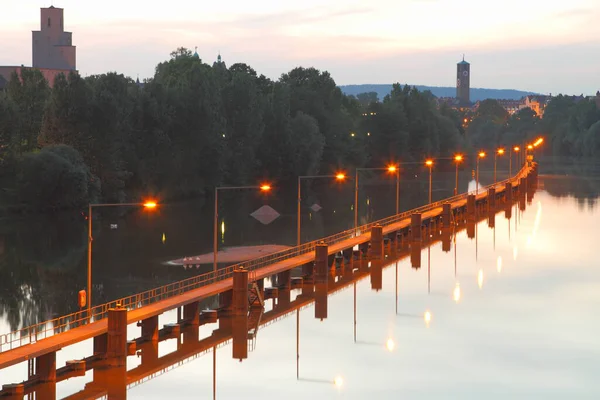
x,y
33,333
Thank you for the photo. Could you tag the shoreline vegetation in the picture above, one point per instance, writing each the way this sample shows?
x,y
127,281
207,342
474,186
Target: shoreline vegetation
x,y
194,126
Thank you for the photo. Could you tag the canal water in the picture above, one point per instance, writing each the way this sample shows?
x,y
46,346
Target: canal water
x,y
510,313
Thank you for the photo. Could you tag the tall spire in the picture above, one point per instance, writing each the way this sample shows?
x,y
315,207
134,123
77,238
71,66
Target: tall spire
x,y
196,52
463,56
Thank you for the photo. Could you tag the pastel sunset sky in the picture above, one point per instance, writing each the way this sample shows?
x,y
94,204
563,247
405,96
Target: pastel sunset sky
x,y
546,46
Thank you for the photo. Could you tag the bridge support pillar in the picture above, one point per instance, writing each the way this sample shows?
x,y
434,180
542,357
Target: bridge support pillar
x,y
377,242
363,249
522,185
191,313
348,259
225,301
491,198
45,367
240,292
415,227
446,214
308,272
471,208
508,193
321,279
284,283
100,342
321,267
150,328
117,336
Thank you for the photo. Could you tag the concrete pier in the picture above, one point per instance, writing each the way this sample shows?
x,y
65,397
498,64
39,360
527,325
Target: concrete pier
x,y
116,344
491,198
471,206
45,367
415,227
377,242
240,292
149,328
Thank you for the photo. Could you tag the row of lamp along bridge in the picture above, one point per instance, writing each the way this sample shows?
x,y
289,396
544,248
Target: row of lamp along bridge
x,y
86,298
114,346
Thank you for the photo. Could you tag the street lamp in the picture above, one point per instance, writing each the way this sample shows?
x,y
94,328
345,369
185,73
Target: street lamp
x,y
391,169
480,155
340,176
499,152
457,158
150,204
262,188
516,150
429,163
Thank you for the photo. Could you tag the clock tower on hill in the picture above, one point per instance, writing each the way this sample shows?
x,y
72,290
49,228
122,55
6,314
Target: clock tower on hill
x,y
463,82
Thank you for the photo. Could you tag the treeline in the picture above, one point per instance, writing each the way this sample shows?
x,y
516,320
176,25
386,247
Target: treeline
x,y
193,126
570,126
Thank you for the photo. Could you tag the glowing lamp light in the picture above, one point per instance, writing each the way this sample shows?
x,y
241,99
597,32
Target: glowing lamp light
x,y
392,168
340,176
338,381
457,293
481,154
516,148
538,142
458,158
390,345
429,163
530,147
480,279
500,151
265,187
150,204
427,317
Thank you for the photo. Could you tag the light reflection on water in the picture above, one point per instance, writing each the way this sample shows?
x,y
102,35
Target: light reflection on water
x,y
526,333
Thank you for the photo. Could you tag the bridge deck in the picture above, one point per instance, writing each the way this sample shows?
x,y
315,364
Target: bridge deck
x,y
57,342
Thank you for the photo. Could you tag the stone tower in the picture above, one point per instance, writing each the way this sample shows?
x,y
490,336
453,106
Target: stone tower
x,y
51,46
463,82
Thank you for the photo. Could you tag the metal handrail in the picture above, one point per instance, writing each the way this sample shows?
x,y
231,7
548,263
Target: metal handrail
x,y
33,333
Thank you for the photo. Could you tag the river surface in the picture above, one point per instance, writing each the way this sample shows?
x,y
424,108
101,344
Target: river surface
x,y
511,313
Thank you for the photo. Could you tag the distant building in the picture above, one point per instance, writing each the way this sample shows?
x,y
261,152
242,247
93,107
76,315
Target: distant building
x,y
52,50
537,103
511,106
598,99
463,83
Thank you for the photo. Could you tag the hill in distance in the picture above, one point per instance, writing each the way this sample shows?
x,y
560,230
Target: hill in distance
x,y
477,94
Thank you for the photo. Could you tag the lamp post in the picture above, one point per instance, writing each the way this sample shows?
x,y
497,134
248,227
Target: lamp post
x,y
339,176
429,163
516,150
263,188
391,169
457,158
148,205
480,155
499,152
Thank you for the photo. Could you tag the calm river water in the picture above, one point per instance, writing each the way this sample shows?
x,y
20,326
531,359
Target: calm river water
x,y
512,312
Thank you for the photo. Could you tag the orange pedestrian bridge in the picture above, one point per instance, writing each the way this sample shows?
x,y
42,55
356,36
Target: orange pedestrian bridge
x,y
242,291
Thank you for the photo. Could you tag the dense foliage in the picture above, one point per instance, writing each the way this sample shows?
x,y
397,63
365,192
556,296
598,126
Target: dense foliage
x,y
193,126
570,125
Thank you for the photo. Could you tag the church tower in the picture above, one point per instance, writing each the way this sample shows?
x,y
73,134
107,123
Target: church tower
x,y
52,47
463,82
